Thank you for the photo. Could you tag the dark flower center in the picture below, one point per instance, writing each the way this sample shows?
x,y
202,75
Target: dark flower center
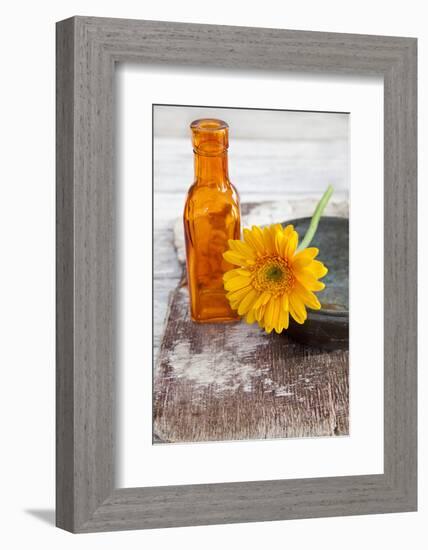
x,y
272,274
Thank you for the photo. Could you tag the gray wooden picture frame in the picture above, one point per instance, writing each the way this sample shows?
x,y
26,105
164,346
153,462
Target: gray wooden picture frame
x,y
87,51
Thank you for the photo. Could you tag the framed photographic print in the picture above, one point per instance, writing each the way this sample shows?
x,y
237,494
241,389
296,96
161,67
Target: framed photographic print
x,y
236,274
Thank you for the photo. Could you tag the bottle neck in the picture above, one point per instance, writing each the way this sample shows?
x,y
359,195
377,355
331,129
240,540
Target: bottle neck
x,y
211,170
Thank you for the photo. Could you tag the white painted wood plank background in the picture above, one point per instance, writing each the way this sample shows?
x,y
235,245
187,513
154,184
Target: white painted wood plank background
x,y
261,124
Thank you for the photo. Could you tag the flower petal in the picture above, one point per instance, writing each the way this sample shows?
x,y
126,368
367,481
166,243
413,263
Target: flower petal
x,y
230,274
268,241
286,319
288,230
276,310
291,246
304,258
257,232
254,239
260,313
242,248
236,283
238,294
297,309
284,302
274,229
308,281
280,243
251,316
247,302
269,313
244,272
318,269
283,320
234,258
307,297
262,299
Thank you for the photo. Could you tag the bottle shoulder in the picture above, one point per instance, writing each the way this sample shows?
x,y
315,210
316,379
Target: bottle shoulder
x,y
235,192
225,191
201,200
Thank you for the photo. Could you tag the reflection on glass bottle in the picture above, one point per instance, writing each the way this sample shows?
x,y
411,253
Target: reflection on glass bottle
x,y
211,218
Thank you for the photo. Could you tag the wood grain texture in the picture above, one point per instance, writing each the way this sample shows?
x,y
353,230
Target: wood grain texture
x,y
64,278
169,252
231,382
227,382
86,307
87,49
255,162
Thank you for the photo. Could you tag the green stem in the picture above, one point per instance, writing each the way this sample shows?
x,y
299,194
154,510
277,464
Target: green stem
x,y
313,226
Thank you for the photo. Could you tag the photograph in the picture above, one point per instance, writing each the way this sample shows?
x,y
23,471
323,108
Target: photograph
x,y
250,274
210,275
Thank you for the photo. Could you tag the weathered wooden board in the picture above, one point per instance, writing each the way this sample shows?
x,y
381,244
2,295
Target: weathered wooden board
x,y
169,255
223,382
231,382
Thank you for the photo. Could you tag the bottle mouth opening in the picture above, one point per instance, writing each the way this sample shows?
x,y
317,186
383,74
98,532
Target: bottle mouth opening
x,y
210,136
209,125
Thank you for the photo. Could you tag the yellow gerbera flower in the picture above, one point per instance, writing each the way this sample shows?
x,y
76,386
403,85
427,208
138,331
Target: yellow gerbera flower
x,y
273,281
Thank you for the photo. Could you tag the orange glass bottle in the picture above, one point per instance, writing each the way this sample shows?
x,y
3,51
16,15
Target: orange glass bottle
x,y
211,217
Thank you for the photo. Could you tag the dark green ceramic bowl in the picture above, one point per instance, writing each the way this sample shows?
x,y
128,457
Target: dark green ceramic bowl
x,y
328,327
